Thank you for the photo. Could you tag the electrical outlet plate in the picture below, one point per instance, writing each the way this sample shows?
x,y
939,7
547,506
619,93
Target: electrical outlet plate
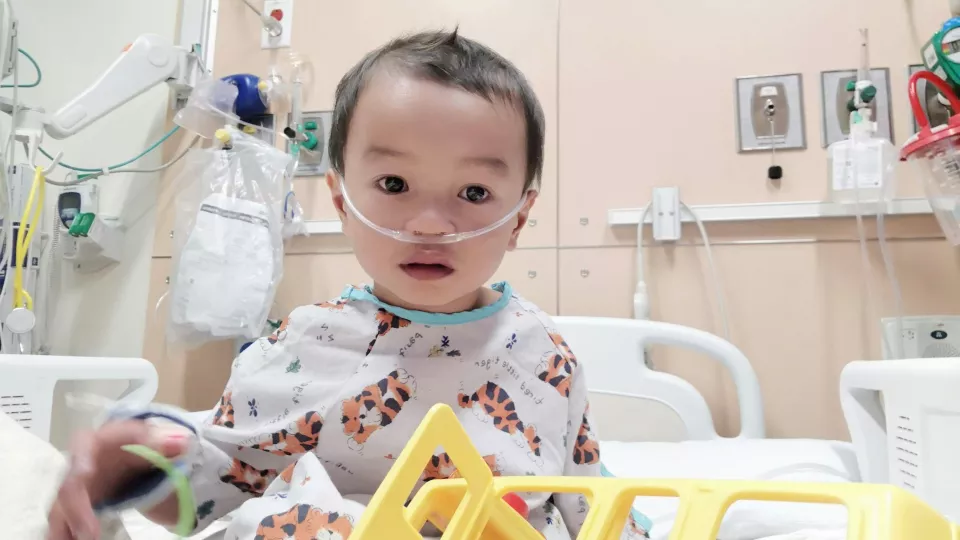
x,y
834,97
753,126
937,112
923,336
316,162
285,11
666,214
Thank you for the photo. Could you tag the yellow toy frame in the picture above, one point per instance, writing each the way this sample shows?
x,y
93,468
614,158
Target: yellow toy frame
x,y
471,508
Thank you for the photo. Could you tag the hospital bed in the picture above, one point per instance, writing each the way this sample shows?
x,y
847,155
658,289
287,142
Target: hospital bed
x,y
656,425
667,409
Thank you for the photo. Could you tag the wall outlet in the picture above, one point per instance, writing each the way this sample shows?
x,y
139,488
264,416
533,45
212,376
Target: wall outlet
x,y
666,214
754,130
314,162
281,10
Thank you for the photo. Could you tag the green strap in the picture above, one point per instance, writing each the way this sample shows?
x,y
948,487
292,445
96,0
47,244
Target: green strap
x,y
181,484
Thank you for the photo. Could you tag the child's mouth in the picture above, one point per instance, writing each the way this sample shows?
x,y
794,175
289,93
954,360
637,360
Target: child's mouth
x,y
426,272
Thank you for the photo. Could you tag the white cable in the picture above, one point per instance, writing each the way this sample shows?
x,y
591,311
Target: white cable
x,y
721,302
165,166
641,301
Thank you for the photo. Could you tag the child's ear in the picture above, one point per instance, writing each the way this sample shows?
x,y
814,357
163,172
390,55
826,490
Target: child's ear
x,y
333,182
522,218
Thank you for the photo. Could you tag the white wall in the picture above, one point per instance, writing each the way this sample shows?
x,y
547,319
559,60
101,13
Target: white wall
x,y
100,314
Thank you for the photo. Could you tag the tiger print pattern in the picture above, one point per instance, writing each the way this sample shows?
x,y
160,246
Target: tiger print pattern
x,y
557,371
441,467
494,402
280,333
375,407
556,367
586,449
305,522
224,413
246,478
565,350
336,305
299,437
386,321
287,474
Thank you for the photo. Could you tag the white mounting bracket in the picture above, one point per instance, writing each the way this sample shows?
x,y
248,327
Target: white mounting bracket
x,y
666,214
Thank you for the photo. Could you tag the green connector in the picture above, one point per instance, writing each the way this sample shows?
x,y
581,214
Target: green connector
x,y
868,93
81,225
851,86
311,141
310,126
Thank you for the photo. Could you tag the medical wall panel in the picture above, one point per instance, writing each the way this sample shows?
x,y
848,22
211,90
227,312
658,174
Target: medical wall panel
x,y
647,97
533,275
333,36
799,311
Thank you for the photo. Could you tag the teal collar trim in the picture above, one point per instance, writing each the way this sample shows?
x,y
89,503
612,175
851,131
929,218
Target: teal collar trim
x,y
436,319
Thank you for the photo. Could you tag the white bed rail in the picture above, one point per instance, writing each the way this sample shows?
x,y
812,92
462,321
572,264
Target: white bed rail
x,y
612,349
27,384
904,419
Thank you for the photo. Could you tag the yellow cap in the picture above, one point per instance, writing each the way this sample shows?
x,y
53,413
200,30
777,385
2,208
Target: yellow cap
x,y
249,130
223,136
263,85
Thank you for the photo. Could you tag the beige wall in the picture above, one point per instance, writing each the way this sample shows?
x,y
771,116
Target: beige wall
x,y
627,111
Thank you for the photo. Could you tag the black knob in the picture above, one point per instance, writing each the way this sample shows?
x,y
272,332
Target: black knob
x,y
775,172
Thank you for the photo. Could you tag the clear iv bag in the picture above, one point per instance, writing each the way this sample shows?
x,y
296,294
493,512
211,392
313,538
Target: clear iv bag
x,y
862,170
228,243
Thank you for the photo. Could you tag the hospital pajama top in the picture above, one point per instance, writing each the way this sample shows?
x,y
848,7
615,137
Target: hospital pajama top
x,y
314,415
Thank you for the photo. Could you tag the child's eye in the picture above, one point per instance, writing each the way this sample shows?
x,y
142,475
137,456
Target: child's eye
x,y
474,193
392,184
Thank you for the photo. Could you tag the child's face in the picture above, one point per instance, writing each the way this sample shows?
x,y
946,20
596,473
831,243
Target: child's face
x,y
434,159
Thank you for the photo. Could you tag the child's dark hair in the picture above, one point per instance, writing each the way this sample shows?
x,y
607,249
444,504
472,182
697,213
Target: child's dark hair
x,y
449,59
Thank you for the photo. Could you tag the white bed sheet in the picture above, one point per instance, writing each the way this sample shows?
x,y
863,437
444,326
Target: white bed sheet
x,y
754,459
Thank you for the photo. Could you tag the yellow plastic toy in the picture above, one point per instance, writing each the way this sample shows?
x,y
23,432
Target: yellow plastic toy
x,y
471,508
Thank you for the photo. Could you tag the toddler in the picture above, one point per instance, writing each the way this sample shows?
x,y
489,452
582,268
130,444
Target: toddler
x,y
436,151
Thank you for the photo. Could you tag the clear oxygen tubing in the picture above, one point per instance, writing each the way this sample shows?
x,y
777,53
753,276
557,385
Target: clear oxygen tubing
x,y
859,131
897,351
721,301
641,302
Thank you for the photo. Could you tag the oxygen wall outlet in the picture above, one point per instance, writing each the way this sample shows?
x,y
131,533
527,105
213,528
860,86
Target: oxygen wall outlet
x,y
314,160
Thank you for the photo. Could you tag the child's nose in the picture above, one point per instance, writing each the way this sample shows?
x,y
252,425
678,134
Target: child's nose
x,y
431,222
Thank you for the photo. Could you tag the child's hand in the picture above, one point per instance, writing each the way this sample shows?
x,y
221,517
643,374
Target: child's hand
x,y
99,468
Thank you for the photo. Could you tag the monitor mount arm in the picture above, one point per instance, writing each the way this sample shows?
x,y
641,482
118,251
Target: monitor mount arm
x,y
145,63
